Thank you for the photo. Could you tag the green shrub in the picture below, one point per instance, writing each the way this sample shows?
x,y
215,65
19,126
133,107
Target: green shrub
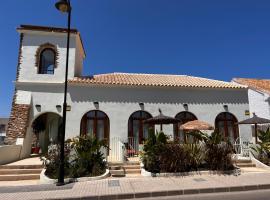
x,y
161,137
197,155
51,160
218,152
261,150
212,152
88,161
82,158
175,158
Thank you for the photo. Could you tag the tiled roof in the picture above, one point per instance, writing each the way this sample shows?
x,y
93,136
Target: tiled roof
x,y
161,80
262,85
46,28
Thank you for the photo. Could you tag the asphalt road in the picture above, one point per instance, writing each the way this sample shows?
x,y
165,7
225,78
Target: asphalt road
x,y
249,195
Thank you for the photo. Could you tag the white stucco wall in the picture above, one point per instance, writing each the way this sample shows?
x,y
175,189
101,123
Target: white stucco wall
x,y
259,103
28,70
120,102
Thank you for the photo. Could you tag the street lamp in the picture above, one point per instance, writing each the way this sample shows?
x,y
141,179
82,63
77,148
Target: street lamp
x,y
65,7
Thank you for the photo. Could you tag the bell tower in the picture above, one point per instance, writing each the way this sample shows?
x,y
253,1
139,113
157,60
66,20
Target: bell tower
x,y
43,52
41,60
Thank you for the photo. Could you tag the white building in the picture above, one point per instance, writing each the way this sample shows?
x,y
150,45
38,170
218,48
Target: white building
x,y
258,95
259,98
111,105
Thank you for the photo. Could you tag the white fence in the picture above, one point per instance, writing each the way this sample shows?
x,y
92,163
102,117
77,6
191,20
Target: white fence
x,y
117,150
120,150
242,147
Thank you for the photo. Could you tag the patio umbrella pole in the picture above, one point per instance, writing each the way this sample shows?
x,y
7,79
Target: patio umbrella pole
x,y
255,120
161,127
256,139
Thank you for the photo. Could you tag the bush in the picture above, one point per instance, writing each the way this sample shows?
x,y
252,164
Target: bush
x,y
175,158
82,158
51,160
219,156
212,152
218,151
262,150
88,161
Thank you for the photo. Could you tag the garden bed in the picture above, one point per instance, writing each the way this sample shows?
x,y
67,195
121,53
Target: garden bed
x,y
211,154
46,180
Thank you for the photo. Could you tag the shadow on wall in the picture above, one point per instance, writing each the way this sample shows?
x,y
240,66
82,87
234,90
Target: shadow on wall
x,y
37,40
147,95
158,95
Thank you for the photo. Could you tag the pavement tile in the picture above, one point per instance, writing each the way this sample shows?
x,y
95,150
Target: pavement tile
x,y
191,191
237,188
174,192
221,189
147,187
142,194
159,193
263,187
207,190
126,196
251,187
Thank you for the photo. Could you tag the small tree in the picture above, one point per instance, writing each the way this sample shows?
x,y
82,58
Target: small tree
x,y
261,150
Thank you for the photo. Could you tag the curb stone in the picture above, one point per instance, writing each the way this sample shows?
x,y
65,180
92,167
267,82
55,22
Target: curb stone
x,y
171,192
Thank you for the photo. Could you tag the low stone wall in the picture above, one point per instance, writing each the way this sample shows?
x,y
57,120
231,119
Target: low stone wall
x,y
9,153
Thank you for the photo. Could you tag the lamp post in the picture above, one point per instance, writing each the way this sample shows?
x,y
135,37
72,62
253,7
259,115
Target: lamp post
x,y
65,7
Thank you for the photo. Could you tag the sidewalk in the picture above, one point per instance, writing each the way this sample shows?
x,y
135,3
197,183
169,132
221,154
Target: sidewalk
x,y
126,188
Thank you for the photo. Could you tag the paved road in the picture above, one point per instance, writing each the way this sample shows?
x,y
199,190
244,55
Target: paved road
x,y
249,195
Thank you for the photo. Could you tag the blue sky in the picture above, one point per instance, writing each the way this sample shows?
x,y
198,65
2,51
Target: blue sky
x,y
218,39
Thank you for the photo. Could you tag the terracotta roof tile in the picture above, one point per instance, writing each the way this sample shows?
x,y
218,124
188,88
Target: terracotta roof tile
x,y
153,80
262,85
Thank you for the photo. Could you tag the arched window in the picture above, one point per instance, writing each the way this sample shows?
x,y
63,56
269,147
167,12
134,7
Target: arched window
x,y
184,117
136,128
225,124
47,61
95,123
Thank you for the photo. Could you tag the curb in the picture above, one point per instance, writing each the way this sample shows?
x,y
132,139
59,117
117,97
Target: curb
x,y
172,192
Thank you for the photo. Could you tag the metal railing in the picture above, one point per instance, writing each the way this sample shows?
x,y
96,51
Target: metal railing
x,y
132,147
242,147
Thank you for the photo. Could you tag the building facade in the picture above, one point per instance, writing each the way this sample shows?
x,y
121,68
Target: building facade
x,y
259,97
112,105
258,94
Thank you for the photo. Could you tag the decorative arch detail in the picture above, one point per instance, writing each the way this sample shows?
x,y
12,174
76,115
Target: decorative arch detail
x,y
41,48
226,124
136,128
184,117
96,123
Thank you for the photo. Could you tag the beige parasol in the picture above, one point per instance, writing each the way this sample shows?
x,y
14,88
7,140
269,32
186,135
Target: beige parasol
x,y
196,125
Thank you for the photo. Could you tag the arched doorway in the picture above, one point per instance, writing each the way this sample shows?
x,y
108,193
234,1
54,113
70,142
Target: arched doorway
x,y
180,135
226,124
96,123
136,128
137,131
46,128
